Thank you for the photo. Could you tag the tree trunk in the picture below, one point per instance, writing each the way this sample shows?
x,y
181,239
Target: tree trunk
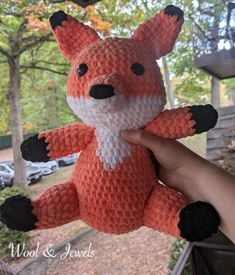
x,y
233,96
16,123
215,84
168,83
215,92
233,100
56,105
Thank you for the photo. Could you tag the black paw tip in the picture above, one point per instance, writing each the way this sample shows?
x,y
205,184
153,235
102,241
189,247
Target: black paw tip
x,y
212,115
35,149
198,221
57,18
205,117
173,10
16,214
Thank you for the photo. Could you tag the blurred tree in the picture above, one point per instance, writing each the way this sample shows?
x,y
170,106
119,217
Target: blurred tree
x,y
4,110
212,22
16,39
168,83
24,27
230,90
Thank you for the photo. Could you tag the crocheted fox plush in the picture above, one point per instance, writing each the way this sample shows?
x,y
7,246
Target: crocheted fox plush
x,y
115,84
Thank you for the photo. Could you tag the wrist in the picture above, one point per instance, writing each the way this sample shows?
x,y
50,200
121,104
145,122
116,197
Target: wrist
x,y
194,177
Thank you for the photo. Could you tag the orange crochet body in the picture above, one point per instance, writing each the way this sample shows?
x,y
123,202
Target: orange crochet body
x,y
114,201
114,84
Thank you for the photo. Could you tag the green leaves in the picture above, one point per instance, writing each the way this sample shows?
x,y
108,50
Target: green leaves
x,y
43,92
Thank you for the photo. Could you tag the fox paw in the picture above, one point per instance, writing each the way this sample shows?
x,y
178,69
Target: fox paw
x,y
173,10
16,213
205,117
198,221
35,149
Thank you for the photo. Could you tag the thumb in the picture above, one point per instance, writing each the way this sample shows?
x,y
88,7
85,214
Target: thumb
x,y
169,153
152,142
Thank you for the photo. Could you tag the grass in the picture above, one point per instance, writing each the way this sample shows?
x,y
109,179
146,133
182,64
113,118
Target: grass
x,y
60,176
176,250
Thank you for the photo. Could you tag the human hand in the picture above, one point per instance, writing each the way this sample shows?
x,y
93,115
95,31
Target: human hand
x,y
178,166
195,177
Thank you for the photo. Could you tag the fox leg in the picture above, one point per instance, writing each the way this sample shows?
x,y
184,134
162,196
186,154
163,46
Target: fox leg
x,y
162,210
58,205
168,211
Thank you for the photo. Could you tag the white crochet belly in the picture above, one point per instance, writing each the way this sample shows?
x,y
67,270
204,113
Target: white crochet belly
x,y
112,149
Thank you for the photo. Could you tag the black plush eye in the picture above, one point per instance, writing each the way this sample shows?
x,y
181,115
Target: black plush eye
x,y
82,69
137,68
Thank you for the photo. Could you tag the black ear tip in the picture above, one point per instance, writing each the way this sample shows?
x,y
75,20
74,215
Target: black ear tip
x,y
173,10
57,18
85,3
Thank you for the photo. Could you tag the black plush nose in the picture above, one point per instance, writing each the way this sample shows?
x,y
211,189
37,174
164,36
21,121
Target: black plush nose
x,y
102,91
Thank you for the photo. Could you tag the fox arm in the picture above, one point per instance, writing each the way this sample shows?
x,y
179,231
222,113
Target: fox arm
x,y
183,122
57,143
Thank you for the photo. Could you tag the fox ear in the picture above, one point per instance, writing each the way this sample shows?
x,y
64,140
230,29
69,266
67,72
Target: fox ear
x,y
161,31
71,35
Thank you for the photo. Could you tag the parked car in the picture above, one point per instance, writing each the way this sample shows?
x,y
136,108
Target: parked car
x,y
46,167
7,173
68,160
2,185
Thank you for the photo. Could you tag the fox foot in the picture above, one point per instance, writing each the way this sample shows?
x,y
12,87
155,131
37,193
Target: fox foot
x,y
16,213
198,221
